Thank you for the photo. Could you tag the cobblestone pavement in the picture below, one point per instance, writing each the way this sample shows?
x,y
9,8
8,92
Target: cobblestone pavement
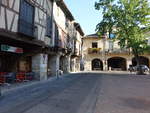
x,y
82,93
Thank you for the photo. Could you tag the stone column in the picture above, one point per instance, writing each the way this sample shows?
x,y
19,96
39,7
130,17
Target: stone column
x,y
88,65
79,64
149,60
105,66
54,64
129,62
39,66
73,64
68,64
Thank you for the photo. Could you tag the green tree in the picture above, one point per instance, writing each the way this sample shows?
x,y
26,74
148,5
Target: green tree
x,y
130,18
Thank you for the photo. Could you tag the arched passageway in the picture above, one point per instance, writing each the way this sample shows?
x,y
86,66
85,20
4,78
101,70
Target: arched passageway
x,y
61,63
117,63
97,64
142,61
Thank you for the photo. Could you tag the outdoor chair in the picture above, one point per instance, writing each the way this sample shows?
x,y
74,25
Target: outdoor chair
x,y
30,75
2,77
10,77
20,77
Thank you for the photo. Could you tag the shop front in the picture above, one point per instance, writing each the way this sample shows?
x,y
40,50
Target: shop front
x,y
9,58
15,64
25,64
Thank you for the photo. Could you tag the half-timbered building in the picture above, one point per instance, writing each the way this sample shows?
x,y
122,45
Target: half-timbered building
x,y
38,36
25,32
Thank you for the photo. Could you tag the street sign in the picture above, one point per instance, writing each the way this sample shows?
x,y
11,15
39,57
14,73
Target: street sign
x,y
8,48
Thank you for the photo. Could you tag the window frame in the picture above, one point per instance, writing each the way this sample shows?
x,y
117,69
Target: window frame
x,y
49,28
26,21
96,46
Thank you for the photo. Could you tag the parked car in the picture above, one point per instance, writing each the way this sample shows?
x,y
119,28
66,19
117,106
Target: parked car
x,y
143,67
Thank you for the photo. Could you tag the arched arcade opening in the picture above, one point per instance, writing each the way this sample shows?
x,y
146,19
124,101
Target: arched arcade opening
x,y
97,64
117,63
142,61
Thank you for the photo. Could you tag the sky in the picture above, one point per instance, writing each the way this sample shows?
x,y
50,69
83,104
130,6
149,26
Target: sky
x,y
85,14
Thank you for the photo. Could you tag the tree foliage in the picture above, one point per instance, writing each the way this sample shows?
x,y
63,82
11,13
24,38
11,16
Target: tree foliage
x,y
130,18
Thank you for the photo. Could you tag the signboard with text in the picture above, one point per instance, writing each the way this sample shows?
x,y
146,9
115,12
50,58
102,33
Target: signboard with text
x,y
8,48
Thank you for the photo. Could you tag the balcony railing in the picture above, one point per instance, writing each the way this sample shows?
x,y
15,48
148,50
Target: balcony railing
x,y
26,28
118,51
109,52
94,51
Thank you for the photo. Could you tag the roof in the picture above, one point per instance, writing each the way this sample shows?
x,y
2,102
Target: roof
x,y
78,28
65,9
92,36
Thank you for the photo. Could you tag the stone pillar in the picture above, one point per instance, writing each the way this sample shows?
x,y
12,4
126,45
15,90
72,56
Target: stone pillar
x,y
129,62
73,65
68,63
78,63
54,64
149,62
39,66
88,66
81,64
105,66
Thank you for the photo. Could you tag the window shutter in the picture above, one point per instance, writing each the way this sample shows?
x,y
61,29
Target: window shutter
x,y
49,27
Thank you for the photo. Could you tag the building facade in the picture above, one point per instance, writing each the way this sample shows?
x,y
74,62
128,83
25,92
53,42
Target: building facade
x,y
36,36
69,36
76,56
24,35
106,54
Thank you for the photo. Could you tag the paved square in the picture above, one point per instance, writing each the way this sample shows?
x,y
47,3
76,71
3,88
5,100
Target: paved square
x,y
82,93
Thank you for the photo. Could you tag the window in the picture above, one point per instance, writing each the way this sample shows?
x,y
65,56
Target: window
x,y
49,26
56,36
26,18
111,45
94,45
66,23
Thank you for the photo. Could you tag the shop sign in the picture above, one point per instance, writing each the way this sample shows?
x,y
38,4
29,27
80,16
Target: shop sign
x,y
11,49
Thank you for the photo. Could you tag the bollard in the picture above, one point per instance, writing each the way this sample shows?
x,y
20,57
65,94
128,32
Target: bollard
x,y
57,74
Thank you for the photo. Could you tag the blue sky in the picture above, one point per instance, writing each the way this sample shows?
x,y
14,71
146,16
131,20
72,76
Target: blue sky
x,y
85,14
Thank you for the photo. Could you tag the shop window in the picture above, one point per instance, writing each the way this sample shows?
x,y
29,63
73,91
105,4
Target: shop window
x,y
25,64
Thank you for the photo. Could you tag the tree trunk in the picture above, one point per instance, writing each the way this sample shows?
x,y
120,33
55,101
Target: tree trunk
x,y
140,71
